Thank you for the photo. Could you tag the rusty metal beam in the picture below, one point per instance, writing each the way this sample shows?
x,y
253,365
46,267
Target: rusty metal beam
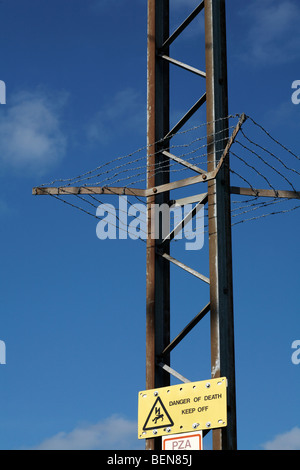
x,y
158,269
173,372
185,267
184,66
184,163
220,254
187,116
265,193
183,26
84,190
186,330
188,217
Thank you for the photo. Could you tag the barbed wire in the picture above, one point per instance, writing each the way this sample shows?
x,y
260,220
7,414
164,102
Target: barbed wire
x,y
259,165
270,153
111,176
285,211
297,157
88,174
125,228
267,164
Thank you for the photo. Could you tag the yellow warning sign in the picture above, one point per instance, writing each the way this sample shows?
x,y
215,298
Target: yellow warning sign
x,y
182,408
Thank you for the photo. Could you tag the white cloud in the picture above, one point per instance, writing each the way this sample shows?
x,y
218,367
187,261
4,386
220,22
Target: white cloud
x,y
287,441
114,433
273,31
31,138
125,112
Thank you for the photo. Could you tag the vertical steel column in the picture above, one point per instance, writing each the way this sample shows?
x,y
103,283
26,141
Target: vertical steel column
x,y
158,269
220,252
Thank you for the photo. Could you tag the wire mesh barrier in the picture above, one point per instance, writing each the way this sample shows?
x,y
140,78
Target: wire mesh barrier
x,y
268,171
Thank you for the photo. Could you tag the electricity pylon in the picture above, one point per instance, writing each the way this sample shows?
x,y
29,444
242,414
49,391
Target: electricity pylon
x,y
218,198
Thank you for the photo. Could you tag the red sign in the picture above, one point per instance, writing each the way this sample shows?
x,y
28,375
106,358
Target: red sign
x,y
184,441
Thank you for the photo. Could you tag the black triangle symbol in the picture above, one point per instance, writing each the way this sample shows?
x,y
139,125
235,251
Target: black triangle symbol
x,y
158,417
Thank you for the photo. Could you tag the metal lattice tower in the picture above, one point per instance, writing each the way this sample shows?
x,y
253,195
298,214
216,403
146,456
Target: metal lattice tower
x,y
218,199
158,345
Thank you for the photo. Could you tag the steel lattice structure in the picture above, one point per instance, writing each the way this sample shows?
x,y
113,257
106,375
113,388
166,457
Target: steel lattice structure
x,y
218,199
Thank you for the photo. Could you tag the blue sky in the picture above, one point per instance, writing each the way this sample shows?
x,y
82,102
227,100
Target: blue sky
x,y
73,306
